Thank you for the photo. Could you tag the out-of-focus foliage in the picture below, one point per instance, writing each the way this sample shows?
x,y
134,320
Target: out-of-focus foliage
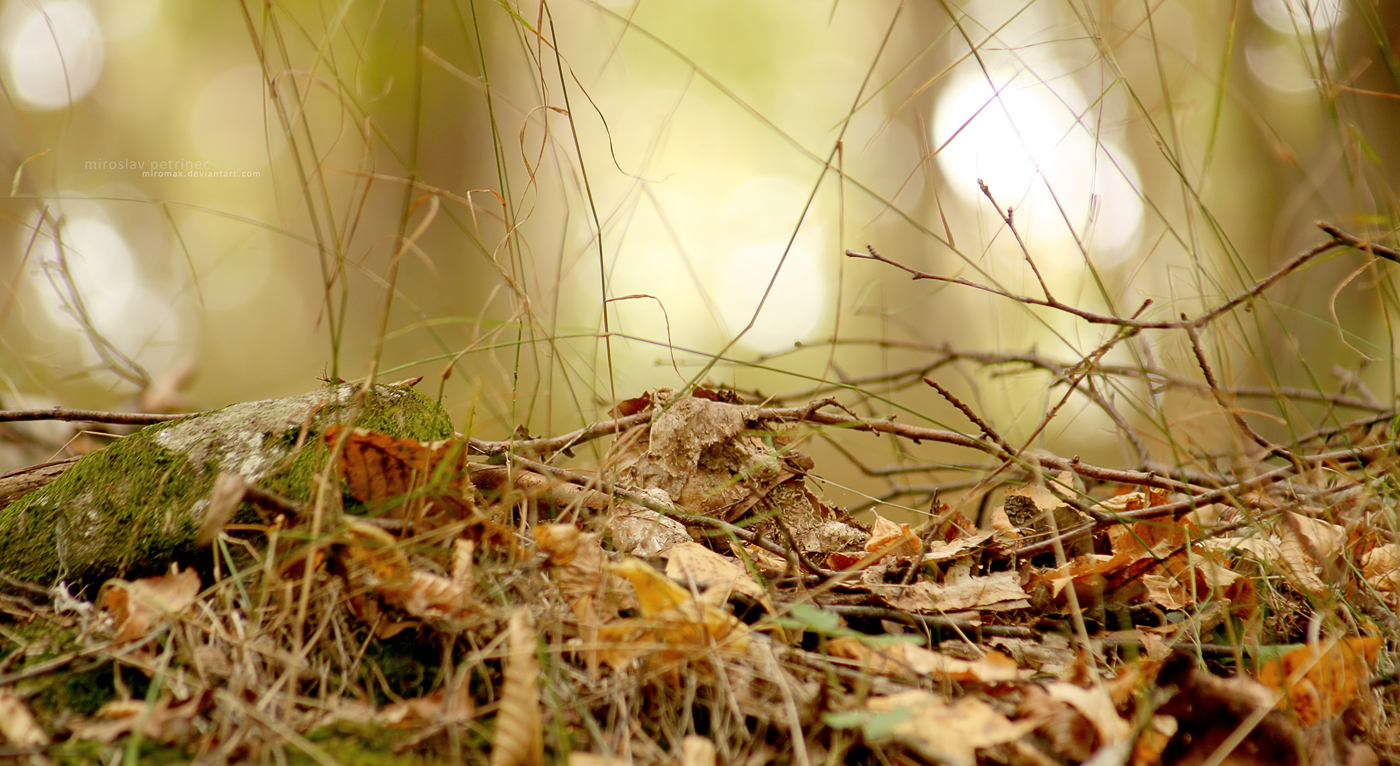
x,y
238,198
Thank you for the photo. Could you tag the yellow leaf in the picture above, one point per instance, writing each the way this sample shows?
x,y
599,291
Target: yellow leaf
x,y
655,592
1322,680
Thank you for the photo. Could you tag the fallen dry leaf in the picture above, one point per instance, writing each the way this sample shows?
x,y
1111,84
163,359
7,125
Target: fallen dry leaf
x,y
578,566
1067,732
379,467
912,661
1096,706
1321,681
1210,709
890,539
692,562
1381,568
643,532
948,733
118,718
1301,548
18,729
373,560
139,606
673,622
698,751
577,758
958,593
519,734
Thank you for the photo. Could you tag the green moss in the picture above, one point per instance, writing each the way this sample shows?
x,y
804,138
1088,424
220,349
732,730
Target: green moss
x,y
85,752
86,693
410,661
136,505
129,494
364,745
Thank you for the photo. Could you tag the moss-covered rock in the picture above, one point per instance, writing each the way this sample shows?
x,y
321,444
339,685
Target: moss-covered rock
x,y
138,503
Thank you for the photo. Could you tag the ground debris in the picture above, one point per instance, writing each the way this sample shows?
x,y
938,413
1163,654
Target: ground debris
x,y
461,608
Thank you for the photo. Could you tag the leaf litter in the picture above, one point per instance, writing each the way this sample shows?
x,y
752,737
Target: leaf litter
x,y
709,607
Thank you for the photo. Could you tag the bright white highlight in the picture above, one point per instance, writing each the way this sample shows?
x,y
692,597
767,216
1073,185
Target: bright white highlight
x,y
795,305
1293,16
53,53
227,122
100,269
1280,66
1028,134
96,285
749,230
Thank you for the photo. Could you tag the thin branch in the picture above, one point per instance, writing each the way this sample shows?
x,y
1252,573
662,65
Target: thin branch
x,y
565,442
1155,376
1235,415
921,434
1358,243
651,503
1105,319
89,416
1006,218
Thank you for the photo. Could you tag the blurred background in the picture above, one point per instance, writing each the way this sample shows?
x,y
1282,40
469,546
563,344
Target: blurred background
x,y
544,208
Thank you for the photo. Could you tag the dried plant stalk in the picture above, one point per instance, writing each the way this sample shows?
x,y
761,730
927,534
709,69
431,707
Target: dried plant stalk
x,y
519,737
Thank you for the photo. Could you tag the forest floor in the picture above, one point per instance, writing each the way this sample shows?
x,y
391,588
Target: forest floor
x,y
465,601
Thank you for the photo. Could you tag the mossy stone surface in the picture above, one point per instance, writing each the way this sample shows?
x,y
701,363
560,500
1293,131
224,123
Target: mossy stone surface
x,y
138,503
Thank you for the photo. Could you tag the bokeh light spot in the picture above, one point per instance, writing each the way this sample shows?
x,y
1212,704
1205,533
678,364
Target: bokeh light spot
x,y
795,305
227,123
1293,16
1025,135
97,265
53,53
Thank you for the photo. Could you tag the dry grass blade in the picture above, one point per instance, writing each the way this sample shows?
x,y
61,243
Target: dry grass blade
x,y
519,736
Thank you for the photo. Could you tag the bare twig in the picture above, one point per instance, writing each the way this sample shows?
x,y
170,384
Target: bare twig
x,y
665,509
1156,376
1006,217
89,416
967,412
1106,319
921,434
1358,243
1235,415
564,442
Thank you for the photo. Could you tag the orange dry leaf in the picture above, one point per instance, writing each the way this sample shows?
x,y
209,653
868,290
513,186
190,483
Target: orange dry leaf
x,y
378,467
1322,681
890,539
910,661
139,606
673,622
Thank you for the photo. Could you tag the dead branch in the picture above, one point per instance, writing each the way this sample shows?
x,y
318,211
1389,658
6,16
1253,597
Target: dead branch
x,y
89,416
561,443
1339,239
1155,376
921,434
